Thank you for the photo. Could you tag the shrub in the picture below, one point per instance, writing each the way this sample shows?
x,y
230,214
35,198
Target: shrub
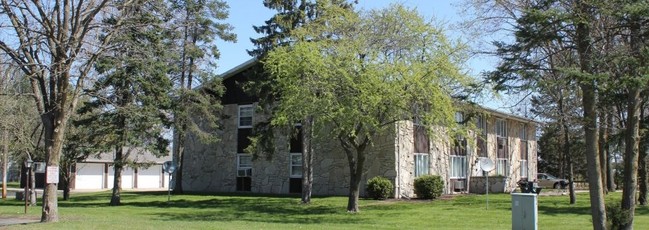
x,y
616,216
429,186
379,188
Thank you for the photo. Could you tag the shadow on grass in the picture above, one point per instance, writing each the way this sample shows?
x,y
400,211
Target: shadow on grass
x,y
221,207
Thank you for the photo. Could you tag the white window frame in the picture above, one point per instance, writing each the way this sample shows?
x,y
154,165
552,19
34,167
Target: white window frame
x,y
524,169
244,170
239,116
461,172
502,164
502,167
524,162
421,168
292,165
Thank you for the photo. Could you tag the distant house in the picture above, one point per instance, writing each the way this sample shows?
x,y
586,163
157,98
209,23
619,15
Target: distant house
x,y
97,172
402,154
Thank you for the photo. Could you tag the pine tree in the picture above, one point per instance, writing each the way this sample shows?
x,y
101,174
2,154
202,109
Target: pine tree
x,y
132,92
196,28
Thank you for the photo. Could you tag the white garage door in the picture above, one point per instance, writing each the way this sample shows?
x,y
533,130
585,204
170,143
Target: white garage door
x,y
89,176
150,177
127,177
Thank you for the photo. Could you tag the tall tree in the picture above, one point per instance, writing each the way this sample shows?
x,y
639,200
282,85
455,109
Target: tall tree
x,y
568,27
197,27
359,76
132,92
635,17
22,130
291,14
53,43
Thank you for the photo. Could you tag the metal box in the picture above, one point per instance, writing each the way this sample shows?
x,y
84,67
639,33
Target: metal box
x,y
524,211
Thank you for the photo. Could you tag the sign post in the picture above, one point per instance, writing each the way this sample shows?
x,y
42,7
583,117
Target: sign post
x,y
169,167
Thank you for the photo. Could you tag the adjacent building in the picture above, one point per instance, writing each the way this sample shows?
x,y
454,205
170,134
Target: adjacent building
x,y
402,154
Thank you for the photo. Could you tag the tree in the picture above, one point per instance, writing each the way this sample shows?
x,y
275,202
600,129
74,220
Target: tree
x,y
605,39
291,14
196,29
53,43
132,93
22,133
359,76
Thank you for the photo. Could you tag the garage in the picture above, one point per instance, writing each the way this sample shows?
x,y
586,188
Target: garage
x,y
149,177
127,177
89,176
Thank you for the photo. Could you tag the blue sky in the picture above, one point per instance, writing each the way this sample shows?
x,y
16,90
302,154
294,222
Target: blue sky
x,y
246,13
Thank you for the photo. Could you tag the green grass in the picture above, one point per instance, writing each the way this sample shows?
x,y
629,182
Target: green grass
x,y
12,184
150,210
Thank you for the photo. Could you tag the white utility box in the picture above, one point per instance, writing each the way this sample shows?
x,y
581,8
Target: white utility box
x,y
525,211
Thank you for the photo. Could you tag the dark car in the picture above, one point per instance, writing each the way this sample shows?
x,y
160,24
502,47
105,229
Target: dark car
x,y
548,181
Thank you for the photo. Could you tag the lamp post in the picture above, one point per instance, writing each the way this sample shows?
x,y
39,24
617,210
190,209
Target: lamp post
x,y
28,166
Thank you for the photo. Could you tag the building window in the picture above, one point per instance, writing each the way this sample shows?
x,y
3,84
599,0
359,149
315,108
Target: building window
x,y
295,177
524,151
481,138
458,159
421,164
244,172
502,156
245,116
296,165
421,141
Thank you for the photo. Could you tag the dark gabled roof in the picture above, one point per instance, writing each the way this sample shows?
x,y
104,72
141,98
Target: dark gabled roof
x,y
253,61
240,68
138,155
508,116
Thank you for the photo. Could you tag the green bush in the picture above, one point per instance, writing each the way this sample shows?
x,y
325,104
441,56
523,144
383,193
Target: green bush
x,y
379,188
429,186
616,216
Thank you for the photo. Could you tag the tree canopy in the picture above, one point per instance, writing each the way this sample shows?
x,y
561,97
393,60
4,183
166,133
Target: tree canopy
x,y
358,74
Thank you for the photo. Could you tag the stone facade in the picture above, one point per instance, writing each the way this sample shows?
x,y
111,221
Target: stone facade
x,y
213,167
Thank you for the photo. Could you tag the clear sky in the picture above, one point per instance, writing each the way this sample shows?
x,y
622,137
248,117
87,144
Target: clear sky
x,y
246,13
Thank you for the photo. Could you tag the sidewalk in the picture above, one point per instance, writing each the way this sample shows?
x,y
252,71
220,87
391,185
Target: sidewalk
x,y
7,221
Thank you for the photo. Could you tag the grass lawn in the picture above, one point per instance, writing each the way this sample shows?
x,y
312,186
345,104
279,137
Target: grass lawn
x,y
150,210
12,184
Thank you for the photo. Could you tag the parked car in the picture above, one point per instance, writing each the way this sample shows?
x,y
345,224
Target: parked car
x,y
548,181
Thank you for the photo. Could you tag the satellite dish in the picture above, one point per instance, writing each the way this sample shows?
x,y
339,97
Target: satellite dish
x,y
486,164
169,167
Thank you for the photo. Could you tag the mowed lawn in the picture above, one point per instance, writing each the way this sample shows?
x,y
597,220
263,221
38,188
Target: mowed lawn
x,y
150,210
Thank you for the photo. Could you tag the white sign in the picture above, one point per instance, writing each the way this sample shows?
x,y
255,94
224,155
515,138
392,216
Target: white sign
x,y
52,175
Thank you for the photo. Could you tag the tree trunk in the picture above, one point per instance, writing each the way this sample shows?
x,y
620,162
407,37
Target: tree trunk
x,y
642,171
610,175
32,187
355,175
571,184
632,133
589,101
631,157
566,148
307,159
602,148
67,177
54,124
178,156
115,199
5,157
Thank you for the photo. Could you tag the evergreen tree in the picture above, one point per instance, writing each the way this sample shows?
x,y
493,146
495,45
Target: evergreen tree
x,y
196,28
133,90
